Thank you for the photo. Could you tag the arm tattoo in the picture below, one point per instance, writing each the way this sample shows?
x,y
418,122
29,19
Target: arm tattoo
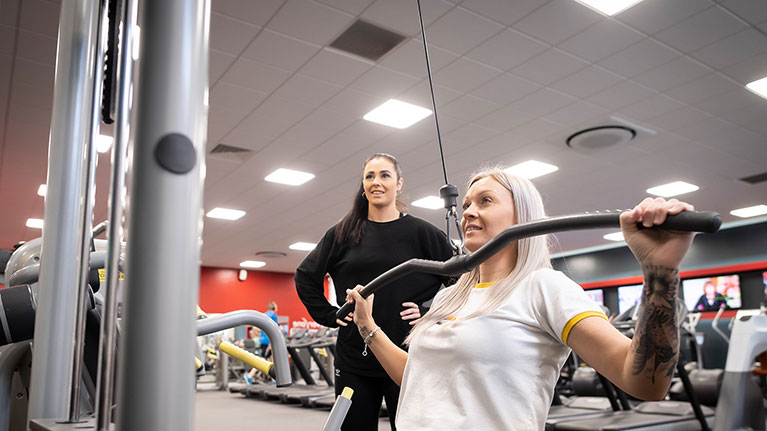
x,y
364,331
656,341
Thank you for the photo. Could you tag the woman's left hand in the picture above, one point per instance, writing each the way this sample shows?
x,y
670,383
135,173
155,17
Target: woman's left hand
x,y
363,307
656,246
411,312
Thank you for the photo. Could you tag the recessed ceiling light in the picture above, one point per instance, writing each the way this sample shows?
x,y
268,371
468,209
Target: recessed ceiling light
x,y
35,223
42,190
759,87
104,143
753,211
615,236
289,177
609,7
136,41
672,189
252,264
531,169
429,202
397,114
225,213
303,246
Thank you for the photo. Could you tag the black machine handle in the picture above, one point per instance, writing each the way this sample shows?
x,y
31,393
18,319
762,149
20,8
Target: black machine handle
x,y
688,221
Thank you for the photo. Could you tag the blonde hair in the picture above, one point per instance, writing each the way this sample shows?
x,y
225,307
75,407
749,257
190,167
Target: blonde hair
x,y
532,254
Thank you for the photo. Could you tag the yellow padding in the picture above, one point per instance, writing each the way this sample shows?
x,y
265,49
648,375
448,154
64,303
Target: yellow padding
x,y
197,363
254,361
347,392
576,319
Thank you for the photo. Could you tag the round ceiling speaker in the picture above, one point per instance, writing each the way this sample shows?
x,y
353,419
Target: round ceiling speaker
x,y
600,138
272,254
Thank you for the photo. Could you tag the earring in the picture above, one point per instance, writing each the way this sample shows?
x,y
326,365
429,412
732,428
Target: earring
x,y
363,195
399,192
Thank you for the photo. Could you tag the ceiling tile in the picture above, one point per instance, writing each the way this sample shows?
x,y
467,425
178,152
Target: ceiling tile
x,y
7,41
507,49
330,120
679,118
578,113
733,49
402,15
9,11
702,88
637,58
353,7
729,101
550,66
650,107
700,30
31,73
382,82
40,16
557,20
503,11
280,51
32,96
543,102
255,75
408,58
469,135
537,129
620,95
311,22
230,35
285,109
469,108
586,82
254,12
334,67
256,125
749,69
505,89
219,62
235,97
750,10
36,47
420,95
601,40
506,118
674,73
460,30
353,101
220,121
455,75
652,16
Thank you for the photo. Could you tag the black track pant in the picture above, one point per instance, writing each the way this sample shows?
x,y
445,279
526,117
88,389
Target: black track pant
x,y
366,400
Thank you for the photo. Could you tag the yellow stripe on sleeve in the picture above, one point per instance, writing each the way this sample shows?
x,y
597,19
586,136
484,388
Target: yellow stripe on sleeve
x,y
571,323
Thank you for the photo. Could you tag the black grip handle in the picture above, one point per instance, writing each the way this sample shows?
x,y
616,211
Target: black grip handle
x,y
689,221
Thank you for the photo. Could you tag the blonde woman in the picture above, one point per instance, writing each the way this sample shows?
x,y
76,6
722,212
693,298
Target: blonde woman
x,y
488,353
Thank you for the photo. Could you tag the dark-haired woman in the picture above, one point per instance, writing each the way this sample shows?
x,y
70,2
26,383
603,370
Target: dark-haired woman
x,y
373,237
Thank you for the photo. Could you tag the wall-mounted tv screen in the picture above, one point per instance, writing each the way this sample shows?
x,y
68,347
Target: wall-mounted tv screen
x,y
628,296
712,293
596,295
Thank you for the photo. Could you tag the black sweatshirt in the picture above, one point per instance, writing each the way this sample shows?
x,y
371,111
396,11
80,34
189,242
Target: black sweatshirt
x,y
382,247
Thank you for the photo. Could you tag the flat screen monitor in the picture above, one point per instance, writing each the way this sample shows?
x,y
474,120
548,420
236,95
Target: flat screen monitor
x,y
596,295
628,296
712,293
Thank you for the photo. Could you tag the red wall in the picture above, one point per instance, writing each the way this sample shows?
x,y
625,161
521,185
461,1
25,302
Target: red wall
x,y
221,291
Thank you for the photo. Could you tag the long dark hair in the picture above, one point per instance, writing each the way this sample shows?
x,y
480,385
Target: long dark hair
x,y
350,229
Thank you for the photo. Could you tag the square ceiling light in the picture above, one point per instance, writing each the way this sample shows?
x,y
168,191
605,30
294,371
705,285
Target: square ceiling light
x,y
615,236
42,190
672,189
252,264
35,223
225,213
429,202
759,87
531,169
753,211
609,7
397,114
104,143
289,177
302,246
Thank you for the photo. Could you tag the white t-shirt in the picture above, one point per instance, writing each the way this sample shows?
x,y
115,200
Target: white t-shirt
x,y
497,371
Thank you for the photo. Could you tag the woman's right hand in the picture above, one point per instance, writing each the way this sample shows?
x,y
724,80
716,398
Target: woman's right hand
x,y
363,307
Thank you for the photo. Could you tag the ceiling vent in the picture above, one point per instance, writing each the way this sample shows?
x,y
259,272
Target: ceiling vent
x,y
755,179
228,152
270,254
600,138
367,40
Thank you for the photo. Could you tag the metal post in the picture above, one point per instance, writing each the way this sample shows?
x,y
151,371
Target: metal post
x,y
164,223
64,207
107,348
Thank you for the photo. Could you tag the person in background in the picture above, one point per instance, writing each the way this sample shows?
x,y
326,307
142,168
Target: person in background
x,y
373,237
272,313
710,300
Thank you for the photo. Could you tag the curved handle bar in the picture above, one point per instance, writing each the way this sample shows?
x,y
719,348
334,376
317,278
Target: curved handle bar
x,y
690,221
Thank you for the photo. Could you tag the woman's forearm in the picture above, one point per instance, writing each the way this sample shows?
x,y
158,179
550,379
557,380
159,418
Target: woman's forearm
x,y
655,345
389,355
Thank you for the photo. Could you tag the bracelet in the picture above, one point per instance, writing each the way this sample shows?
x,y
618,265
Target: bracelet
x,y
368,338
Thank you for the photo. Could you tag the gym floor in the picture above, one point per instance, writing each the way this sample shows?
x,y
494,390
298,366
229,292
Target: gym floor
x,y
224,411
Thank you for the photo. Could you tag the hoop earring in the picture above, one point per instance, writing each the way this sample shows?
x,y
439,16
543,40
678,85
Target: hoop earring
x,y
363,196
